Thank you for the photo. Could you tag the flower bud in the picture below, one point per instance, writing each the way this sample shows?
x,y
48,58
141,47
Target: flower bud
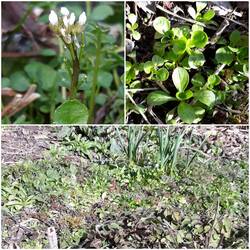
x,y
65,21
53,18
63,32
64,11
72,19
82,18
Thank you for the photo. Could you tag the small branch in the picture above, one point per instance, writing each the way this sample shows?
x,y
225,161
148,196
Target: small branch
x,y
239,23
229,110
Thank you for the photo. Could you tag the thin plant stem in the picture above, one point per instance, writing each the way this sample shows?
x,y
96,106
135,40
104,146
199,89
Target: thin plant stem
x,y
88,7
95,78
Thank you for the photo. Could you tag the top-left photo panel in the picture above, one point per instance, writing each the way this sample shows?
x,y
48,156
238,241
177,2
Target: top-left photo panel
x,y
62,62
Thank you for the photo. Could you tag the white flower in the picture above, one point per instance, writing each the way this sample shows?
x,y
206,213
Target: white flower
x,y
82,18
65,21
64,11
72,19
68,39
53,17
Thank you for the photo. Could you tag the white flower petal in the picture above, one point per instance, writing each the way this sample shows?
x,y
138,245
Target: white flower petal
x,y
72,19
53,17
82,18
63,32
65,21
64,11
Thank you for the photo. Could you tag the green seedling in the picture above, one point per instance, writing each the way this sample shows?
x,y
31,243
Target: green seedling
x,y
132,26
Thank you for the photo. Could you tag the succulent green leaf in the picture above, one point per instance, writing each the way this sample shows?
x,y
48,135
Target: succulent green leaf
x,y
71,112
199,39
234,38
157,60
161,24
206,97
182,96
162,74
198,80
179,46
159,97
180,78
186,113
196,59
136,35
148,66
213,80
224,55
208,15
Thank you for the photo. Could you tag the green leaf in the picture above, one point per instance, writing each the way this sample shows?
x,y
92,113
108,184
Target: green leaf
x,y
161,24
213,80
148,66
208,15
46,77
182,96
101,12
196,27
132,18
234,38
198,80
136,35
5,82
19,81
162,74
71,112
199,39
196,59
180,78
186,113
224,55
105,79
242,55
157,60
179,46
48,52
159,97
206,97
200,6
63,78
32,70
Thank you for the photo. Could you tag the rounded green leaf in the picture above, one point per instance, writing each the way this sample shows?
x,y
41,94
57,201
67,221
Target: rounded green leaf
x,y
71,112
199,39
101,12
159,97
132,18
19,81
180,78
234,38
224,56
198,80
208,15
136,35
213,80
206,97
162,74
186,112
157,60
182,96
179,46
161,24
242,55
196,59
148,66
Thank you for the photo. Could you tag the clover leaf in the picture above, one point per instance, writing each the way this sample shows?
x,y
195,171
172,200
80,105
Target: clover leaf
x,y
161,24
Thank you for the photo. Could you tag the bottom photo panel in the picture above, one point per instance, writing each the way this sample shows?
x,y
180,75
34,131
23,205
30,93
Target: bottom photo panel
x,y
124,187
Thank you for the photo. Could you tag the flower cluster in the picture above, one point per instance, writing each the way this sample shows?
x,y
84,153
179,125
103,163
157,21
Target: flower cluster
x,y
65,24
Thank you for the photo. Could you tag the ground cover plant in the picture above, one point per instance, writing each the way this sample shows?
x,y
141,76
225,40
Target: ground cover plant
x,y
62,62
187,62
108,187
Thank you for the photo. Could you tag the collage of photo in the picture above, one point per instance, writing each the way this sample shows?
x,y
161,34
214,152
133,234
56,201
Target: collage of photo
x,y
125,124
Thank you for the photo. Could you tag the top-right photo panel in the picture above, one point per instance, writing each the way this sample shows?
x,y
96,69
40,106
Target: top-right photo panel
x,y
187,62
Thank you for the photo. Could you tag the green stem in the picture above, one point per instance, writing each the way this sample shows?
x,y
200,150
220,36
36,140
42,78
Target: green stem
x,y
95,78
75,73
88,7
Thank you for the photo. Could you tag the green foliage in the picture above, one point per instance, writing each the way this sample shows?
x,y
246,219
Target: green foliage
x,y
132,26
205,71
51,71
